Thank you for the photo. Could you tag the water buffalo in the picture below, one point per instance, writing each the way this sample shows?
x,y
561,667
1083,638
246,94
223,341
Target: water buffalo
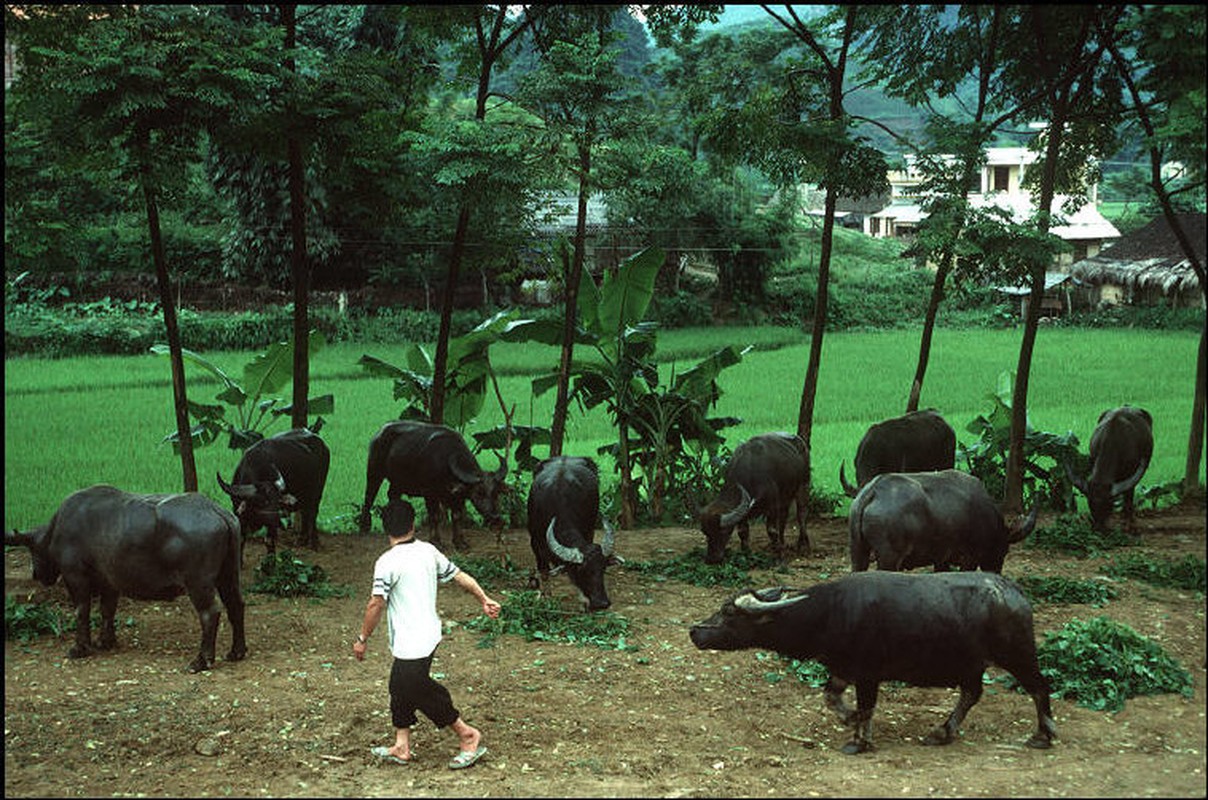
x,y
108,542
931,629
908,520
921,441
433,462
766,474
1121,447
277,475
563,508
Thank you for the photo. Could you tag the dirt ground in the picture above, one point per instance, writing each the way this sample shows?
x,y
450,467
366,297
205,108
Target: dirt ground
x,y
298,716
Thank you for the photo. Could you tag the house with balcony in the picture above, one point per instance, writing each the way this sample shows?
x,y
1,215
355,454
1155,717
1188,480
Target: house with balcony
x,y
999,184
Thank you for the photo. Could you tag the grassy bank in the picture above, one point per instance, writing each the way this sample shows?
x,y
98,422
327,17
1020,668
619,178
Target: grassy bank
x,y
77,421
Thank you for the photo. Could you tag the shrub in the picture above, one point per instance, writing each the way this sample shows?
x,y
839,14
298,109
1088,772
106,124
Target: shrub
x,y
1100,663
536,618
682,310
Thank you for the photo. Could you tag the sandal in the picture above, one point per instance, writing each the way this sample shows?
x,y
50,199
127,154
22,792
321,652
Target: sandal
x,y
467,759
385,754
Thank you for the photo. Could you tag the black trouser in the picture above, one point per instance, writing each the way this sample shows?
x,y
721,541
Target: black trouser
x,y
412,688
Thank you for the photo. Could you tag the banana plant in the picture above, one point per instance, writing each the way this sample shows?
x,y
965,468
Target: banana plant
x,y
253,400
625,375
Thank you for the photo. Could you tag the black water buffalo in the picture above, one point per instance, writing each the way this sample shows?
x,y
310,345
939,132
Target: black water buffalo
x,y
921,441
931,629
563,508
766,474
108,542
908,520
433,462
278,475
1121,447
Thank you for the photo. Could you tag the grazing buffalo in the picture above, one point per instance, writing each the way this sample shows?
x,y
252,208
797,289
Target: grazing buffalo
x,y
1121,446
921,441
766,474
276,476
108,542
563,508
933,629
433,462
908,520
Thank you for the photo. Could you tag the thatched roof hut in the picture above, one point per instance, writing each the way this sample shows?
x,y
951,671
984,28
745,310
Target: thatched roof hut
x,y
1148,266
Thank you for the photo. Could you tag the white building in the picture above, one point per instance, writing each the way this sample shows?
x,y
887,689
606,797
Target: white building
x,y
1000,184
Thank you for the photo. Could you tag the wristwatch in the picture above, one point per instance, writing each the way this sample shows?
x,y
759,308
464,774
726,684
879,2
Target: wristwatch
x,y
362,639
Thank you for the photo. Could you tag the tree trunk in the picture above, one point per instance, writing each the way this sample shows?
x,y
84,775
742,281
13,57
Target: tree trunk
x,y
1013,489
933,306
440,363
298,266
181,403
1195,439
805,418
558,426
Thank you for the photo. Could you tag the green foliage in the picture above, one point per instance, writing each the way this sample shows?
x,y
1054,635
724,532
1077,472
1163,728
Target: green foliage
x,y
536,618
25,622
691,568
1043,480
1100,663
1059,589
1073,534
285,575
252,400
809,672
1186,573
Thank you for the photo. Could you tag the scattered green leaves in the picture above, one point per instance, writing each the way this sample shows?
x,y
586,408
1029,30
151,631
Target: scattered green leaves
x,y
1100,663
526,613
1072,534
1186,573
285,575
691,568
1059,589
27,621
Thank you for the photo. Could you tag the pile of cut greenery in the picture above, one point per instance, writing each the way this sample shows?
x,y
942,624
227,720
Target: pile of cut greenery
x,y
526,613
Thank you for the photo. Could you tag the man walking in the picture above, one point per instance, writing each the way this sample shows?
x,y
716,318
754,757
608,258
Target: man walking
x,y
405,578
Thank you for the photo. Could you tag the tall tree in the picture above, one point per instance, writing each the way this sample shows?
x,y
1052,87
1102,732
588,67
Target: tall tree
x,y
1166,91
299,268
146,80
799,130
496,29
1058,55
574,90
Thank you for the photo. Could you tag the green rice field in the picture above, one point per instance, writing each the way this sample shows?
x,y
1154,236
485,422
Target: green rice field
x,y
73,422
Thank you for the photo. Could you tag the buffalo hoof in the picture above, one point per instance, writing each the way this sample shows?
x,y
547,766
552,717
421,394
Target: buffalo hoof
x,y
1040,742
107,643
199,664
939,736
79,651
237,655
857,746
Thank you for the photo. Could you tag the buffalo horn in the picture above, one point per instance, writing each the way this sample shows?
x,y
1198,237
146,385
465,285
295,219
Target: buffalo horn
x,y
280,482
1020,530
243,490
570,555
848,489
1119,487
740,511
750,602
1078,482
609,541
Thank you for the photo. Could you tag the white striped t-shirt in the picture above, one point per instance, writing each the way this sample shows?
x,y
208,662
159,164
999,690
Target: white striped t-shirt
x,y
407,575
